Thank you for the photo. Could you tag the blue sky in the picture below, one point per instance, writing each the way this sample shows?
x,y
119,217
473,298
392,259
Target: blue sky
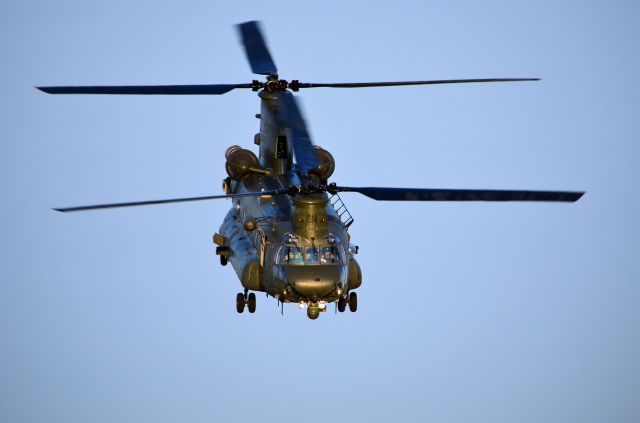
x,y
468,312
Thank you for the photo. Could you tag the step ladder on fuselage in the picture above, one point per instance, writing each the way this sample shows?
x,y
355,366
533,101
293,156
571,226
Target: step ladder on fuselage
x,y
341,209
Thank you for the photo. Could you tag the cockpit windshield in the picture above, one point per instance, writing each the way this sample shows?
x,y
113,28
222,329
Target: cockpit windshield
x,y
309,254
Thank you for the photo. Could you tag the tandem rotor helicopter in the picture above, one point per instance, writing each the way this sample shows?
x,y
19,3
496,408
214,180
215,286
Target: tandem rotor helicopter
x,y
287,231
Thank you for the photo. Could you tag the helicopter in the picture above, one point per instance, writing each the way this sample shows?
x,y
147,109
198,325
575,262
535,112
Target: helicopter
x,y
287,232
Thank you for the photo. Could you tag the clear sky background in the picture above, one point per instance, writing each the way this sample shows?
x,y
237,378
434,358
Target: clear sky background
x,y
468,312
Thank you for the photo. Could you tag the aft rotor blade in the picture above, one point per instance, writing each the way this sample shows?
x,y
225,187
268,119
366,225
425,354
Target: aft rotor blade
x,y
173,200
146,89
425,194
256,49
305,154
400,83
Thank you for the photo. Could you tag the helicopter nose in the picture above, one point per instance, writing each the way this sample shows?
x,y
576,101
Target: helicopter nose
x,y
313,281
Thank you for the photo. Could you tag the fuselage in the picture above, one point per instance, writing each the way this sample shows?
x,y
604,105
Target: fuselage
x,y
295,247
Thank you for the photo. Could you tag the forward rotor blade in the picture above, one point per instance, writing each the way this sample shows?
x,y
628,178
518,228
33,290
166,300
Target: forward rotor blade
x,y
305,154
399,83
424,194
146,89
256,49
173,200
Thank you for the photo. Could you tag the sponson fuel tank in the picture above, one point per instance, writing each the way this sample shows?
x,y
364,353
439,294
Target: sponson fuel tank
x,y
244,255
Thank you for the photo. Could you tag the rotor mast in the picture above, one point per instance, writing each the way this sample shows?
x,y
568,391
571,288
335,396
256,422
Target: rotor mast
x,y
275,147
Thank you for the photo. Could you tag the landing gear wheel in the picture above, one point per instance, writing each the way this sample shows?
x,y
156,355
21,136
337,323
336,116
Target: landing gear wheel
x,y
240,302
223,260
251,303
342,304
353,302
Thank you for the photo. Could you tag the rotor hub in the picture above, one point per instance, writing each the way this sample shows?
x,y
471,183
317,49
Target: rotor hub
x,y
275,85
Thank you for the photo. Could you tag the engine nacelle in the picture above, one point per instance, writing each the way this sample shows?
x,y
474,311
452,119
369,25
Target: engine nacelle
x,y
240,162
326,164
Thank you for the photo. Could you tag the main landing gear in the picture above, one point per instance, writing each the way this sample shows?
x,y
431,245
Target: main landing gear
x,y
352,300
246,299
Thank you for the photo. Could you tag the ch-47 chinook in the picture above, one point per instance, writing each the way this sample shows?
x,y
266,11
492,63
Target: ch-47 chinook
x,y
287,231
